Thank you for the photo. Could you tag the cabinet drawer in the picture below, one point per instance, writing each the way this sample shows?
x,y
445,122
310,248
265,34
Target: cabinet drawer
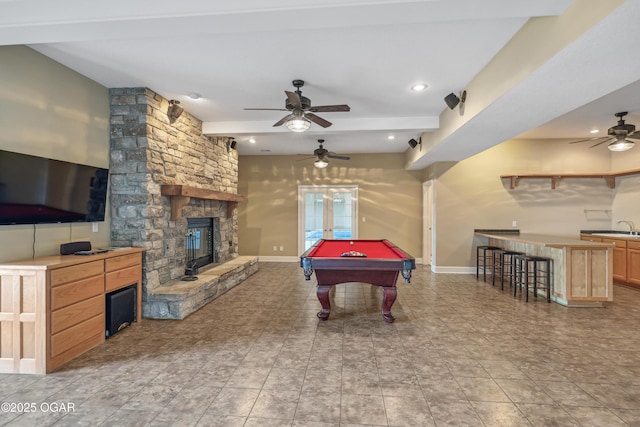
x,y
76,313
77,334
633,245
76,272
119,262
126,276
620,243
71,293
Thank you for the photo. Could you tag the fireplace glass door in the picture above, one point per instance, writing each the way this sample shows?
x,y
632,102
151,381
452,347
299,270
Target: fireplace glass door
x,y
200,241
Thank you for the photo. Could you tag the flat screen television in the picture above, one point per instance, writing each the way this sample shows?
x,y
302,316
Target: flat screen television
x,y
37,190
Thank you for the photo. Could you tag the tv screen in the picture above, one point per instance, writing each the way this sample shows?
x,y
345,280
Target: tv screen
x,y
35,190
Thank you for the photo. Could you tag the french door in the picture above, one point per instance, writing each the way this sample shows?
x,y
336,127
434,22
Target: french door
x,y
326,212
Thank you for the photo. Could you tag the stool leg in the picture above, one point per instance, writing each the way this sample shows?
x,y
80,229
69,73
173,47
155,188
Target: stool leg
x,y
548,281
516,277
526,281
535,279
478,263
484,266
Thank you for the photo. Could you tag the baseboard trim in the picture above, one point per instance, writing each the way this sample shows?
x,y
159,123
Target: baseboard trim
x,y
453,270
279,258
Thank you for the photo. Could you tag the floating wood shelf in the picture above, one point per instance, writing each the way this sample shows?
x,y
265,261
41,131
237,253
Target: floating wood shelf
x,y
180,195
610,178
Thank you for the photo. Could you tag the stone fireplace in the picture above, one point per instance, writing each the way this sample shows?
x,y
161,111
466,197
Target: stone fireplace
x,y
149,158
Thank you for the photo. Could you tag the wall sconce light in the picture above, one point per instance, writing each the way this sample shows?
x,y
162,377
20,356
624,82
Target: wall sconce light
x,y
452,100
231,144
413,143
174,111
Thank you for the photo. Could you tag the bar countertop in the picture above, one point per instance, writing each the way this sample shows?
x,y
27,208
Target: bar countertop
x,y
543,240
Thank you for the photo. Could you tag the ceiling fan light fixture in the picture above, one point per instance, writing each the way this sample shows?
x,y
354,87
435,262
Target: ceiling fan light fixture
x,y
621,144
321,163
298,124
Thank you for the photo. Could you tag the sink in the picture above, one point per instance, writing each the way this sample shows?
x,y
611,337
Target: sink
x,y
614,235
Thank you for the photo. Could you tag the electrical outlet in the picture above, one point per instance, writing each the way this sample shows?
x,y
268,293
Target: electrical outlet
x,y
281,248
275,248
94,227
514,224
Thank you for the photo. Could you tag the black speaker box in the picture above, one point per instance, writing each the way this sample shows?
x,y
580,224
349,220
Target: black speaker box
x,y
121,310
73,247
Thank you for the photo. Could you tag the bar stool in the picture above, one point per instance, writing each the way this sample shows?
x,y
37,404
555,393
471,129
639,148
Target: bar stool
x,y
481,257
532,271
503,262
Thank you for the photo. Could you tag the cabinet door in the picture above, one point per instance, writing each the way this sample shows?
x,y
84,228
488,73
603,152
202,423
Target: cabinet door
x,y
633,262
619,258
590,238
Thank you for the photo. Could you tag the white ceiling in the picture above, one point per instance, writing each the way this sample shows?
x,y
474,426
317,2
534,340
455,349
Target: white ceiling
x,y
363,53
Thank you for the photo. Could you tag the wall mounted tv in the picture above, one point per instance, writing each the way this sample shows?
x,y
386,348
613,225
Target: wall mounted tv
x,y
36,190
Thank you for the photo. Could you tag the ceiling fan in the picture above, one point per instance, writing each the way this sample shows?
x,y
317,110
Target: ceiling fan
x,y
618,135
322,155
302,111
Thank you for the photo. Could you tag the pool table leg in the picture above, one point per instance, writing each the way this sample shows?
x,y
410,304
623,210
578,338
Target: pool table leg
x,y
390,294
323,296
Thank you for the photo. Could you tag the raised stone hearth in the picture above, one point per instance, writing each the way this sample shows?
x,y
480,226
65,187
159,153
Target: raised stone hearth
x,y
178,299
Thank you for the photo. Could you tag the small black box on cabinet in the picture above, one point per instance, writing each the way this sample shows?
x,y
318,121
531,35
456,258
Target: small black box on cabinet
x,y
121,310
73,247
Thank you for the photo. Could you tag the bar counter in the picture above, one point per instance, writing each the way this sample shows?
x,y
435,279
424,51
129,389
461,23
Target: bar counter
x,y
582,270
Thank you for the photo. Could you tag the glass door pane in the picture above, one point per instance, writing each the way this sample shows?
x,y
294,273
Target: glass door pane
x,y
342,218
313,218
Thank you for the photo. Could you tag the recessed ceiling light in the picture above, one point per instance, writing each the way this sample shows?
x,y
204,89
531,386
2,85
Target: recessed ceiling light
x,y
419,86
194,95
594,131
391,137
251,140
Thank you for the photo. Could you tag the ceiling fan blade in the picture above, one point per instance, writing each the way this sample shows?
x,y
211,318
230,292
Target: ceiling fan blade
x,y
265,109
283,120
334,156
635,135
588,139
294,99
330,108
306,158
601,142
317,120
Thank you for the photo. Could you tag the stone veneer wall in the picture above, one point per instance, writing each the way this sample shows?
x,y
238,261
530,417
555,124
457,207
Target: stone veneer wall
x,y
147,151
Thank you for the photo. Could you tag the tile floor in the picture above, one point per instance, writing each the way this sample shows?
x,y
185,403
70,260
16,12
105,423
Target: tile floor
x,y
461,353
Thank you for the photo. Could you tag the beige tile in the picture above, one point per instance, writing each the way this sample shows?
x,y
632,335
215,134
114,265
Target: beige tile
x,y
461,352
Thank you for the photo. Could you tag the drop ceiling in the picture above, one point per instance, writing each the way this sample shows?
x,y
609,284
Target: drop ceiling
x,y
367,54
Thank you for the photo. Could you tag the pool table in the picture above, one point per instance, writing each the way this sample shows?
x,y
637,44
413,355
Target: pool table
x,y
377,262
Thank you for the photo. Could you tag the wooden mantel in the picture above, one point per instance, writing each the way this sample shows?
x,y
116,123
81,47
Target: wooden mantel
x,y
180,195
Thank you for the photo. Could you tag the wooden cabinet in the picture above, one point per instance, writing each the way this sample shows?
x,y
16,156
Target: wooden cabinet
x,y
52,309
633,262
626,257
619,258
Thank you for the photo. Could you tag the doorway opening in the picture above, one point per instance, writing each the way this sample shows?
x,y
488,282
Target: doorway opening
x,y
326,212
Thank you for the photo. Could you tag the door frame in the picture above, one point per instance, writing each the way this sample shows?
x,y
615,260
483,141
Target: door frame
x,y
326,189
427,224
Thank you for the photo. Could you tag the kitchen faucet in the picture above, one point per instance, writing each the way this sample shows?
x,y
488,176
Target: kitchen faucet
x,y
632,227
